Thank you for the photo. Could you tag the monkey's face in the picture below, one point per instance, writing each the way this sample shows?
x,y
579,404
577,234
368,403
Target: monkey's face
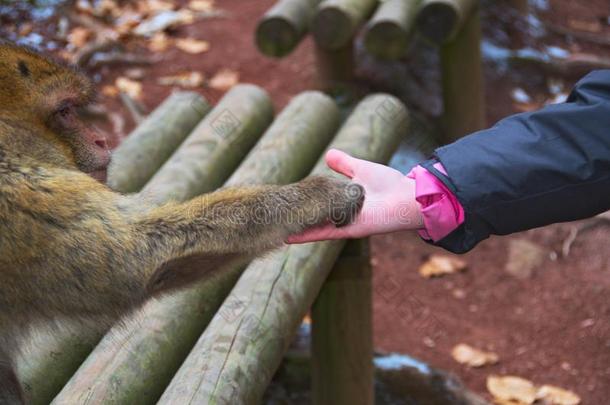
x,y
88,150
49,96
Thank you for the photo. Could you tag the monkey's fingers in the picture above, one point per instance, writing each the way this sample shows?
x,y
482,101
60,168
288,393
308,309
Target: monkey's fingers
x,y
319,233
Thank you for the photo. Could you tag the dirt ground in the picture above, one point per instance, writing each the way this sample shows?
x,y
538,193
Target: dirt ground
x,y
551,327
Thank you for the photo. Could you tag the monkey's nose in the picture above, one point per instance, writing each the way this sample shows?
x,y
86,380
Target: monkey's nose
x,y
101,143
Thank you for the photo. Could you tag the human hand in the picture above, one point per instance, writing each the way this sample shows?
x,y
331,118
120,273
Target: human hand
x,y
389,203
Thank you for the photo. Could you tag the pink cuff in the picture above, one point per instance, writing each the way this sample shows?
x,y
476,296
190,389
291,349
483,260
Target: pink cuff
x,y
441,210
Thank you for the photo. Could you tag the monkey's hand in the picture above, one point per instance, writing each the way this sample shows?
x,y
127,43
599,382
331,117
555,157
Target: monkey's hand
x,y
328,199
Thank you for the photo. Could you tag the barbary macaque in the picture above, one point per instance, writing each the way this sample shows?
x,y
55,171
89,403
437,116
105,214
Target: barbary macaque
x,y
72,248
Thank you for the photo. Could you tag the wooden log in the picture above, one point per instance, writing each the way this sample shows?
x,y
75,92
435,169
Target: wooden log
x,y
388,34
152,142
134,364
51,359
44,376
281,29
238,353
342,331
462,82
441,20
216,147
336,21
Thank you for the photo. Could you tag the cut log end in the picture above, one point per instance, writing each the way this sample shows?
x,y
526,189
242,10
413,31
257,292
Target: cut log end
x,y
386,40
438,21
332,27
276,37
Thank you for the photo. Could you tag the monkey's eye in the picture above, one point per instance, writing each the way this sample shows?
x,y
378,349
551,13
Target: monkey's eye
x,y
64,111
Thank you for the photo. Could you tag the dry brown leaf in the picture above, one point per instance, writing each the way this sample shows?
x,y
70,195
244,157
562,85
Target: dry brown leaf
x,y
438,265
128,20
186,79
507,402
523,258
110,91
26,29
107,7
201,5
159,42
224,79
130,87
191,45
468,355
79,36
159,5
511,388
584,25
557,396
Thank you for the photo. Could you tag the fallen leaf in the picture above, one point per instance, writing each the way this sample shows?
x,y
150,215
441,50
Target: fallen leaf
x,y
162,21
186,79
159,5
557,396
130,87
191,45
110,91
26,29
107,7
201,5
135,73
468,355
583,25
84,6
527,107
127,22
79,36
511,388
523,257
438,265
159,42
224,79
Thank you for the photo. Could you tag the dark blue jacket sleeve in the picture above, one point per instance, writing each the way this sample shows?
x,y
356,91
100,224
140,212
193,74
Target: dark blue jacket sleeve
x,y
532,169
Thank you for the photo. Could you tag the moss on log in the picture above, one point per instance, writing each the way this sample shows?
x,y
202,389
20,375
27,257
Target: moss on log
x,y
154,140
336,21
135,363
441,20
281,29
388,34
235,358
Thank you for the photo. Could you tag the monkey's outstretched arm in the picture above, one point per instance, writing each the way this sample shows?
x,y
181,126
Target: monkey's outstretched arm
x,y
239,223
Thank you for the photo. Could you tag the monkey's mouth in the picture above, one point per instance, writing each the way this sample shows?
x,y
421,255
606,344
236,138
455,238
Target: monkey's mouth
x,y
99,175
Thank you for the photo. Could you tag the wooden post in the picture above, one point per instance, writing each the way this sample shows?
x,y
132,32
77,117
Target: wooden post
x,y
388,34
440,20
281,29
237,355
335,68
462,81
342,332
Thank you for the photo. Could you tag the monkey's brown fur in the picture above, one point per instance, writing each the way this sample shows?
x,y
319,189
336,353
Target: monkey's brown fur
x,y
71,247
